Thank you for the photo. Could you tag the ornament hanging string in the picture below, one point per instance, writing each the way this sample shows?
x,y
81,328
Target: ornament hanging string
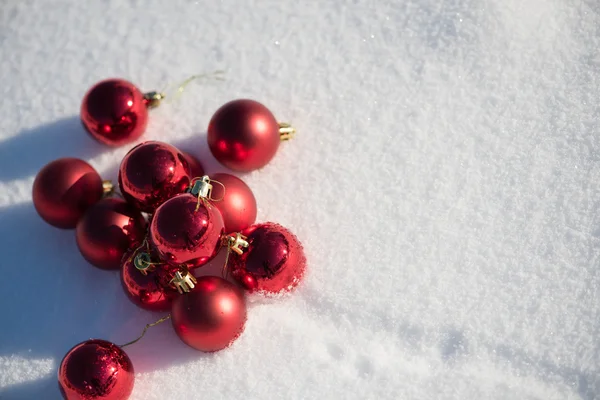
x,y
222,196
216,75
225,271
160,321
143,261
144,244
145,264
154,99
234,243
174,94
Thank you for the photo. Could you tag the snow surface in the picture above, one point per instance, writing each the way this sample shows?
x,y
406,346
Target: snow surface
x,y
444,182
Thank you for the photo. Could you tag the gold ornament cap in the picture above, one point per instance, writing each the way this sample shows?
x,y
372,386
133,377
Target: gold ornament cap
x,y
108,189
143,263
153,99
237,242
183,281
202,187
286,131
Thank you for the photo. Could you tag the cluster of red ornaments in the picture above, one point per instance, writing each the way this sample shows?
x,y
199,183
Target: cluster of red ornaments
x,y
168,220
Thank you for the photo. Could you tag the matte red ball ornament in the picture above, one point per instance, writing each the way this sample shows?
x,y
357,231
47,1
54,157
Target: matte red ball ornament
x,y
185,231
196,167
243,135
211,316
150,289
237,203
151,173
96,369
114,112
107,230
64,189
274,258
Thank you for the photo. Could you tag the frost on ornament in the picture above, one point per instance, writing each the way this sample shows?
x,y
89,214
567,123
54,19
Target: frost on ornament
x,y
274,261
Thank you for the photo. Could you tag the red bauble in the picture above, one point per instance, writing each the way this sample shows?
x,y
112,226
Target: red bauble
x,y
274,258
243,135
237,204
151,291
107,230
64,189
114,112
151,173
247,281
196,168
184,231
96,369
211,316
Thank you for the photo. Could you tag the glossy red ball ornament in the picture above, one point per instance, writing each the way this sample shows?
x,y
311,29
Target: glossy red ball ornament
x,y
96,370
151,173
211,316
274,258
237,203
243,135
64,189
184,231
107,230
114,112
151,291
196,167
247,281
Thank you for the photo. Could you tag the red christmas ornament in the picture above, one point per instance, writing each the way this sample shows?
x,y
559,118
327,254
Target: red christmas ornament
x,y
64,189
107,230
196,168
149,289
247,281
211,316
244,135
186,231
237,204
151,173
96,369
114,112
274,259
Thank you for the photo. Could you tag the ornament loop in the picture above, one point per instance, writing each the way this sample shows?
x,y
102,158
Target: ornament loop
x,y
144,244
153,99
160,321
216,75
286,131
224,189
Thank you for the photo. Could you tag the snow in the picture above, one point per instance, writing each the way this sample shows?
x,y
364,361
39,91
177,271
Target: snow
x,y
444,184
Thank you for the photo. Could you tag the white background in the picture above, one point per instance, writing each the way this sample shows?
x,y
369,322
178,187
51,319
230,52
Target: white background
x,y
444,182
